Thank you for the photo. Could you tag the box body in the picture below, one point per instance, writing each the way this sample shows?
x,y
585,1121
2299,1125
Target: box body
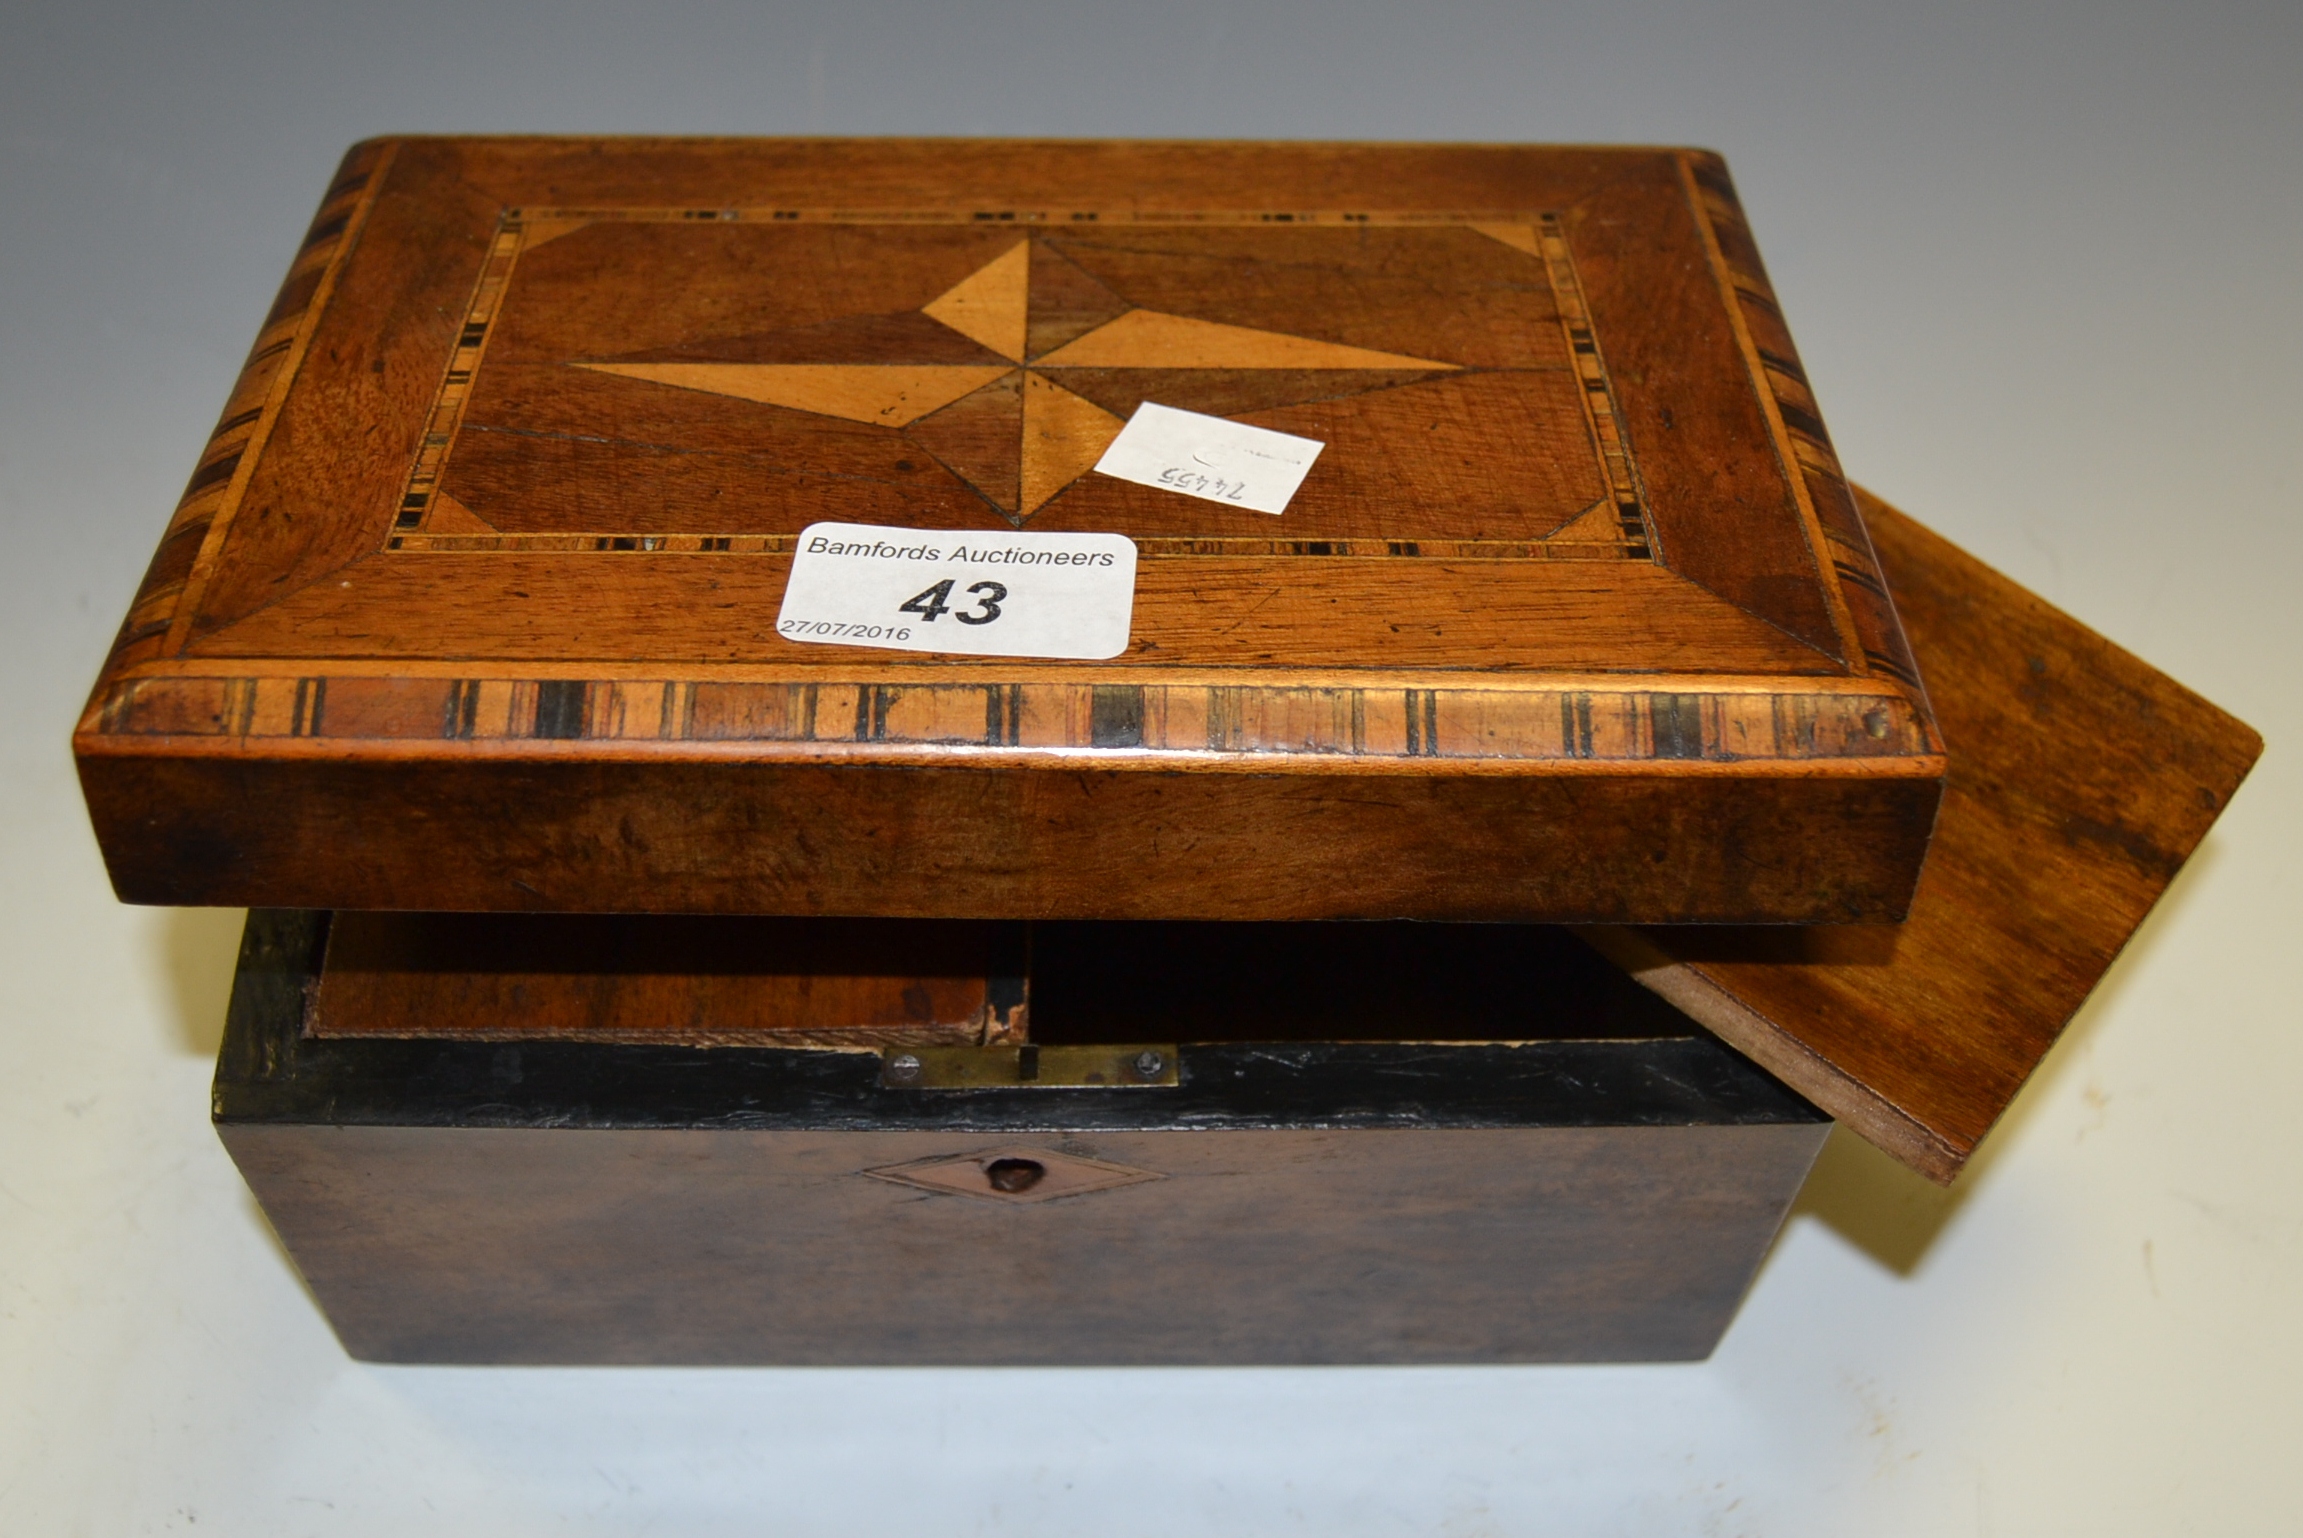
x,y
1597,1199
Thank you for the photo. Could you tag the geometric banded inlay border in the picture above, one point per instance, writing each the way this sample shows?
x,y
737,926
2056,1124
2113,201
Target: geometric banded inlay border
x,y
1622,725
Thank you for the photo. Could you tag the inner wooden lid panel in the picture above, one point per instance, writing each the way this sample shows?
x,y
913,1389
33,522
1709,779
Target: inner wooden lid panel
x,y
671,981
882,982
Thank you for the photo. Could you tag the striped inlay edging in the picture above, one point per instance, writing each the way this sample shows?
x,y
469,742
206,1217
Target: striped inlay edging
x,y
1399,723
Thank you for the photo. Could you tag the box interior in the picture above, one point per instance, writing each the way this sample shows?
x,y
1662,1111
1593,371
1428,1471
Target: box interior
x,y
889,982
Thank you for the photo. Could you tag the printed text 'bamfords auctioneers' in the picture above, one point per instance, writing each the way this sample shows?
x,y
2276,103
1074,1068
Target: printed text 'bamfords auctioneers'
x,y
975,594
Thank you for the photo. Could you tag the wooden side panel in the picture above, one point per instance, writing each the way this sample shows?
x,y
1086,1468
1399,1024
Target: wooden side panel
x,y
772,837
1602,1193
728,1246
2081,780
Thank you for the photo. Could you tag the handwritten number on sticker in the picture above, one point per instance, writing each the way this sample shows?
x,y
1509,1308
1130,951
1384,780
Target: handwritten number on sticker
x,y
1214,487
992,592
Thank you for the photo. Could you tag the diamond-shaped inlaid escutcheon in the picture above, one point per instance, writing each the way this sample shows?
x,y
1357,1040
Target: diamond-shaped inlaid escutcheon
x,y
1012,1175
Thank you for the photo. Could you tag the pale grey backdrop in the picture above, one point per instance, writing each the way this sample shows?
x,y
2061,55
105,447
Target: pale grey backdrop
x,y
2044,264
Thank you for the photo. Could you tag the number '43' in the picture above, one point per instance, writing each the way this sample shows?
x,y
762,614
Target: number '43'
x,y
936,601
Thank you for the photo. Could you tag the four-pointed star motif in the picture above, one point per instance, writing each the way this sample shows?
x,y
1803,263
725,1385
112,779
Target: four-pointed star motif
x,y
1018,376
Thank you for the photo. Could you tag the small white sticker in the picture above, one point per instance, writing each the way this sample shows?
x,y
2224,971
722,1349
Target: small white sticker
x,y
1209,457
959,590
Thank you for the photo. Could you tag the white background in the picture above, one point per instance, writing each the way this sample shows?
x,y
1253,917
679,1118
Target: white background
x,y
2044,262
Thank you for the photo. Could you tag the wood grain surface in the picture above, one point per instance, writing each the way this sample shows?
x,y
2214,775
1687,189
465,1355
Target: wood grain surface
x,y
1255,1245
923,839
694,982
1605,1194
653,980
2081,781
1576,510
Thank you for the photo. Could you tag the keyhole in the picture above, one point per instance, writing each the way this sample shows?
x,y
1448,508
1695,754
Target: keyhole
x,y
1013,1175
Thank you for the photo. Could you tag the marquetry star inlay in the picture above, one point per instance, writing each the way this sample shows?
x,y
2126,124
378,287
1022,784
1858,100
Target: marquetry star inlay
x,y
1018,376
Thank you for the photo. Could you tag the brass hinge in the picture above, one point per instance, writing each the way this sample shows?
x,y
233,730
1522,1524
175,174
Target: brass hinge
x,y
1137,1065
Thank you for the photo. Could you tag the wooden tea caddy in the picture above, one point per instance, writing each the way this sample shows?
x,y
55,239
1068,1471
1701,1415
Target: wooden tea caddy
x,y
627,983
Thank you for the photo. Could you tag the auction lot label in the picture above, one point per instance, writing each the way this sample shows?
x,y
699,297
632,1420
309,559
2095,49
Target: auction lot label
x,y
962,591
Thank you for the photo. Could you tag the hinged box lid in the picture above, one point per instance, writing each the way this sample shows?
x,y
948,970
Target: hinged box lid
x,y
473,600
2081,780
